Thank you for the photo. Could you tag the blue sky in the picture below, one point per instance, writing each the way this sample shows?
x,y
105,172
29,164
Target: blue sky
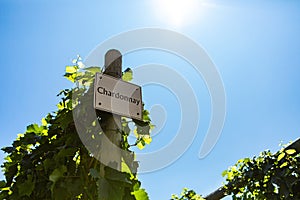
x,y
255,46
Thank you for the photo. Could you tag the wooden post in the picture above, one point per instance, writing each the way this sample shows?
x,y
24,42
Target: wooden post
x,y
216,195
111,123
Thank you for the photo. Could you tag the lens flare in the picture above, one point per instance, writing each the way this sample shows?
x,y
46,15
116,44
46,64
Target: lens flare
x,y
177,12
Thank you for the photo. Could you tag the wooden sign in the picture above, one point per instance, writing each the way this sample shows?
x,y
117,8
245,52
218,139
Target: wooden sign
x,y
117,96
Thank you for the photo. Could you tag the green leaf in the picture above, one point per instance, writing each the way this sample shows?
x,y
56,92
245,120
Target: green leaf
x,y
281,156
93,69
38,130
10,172
109,190
65,120
26,188
94,173
147,139
246,160
48,164
57,173
283,164
140,194
146,115
141,144
224,173
68,189
2,184
5,189
60,193
115,175
8,149
34,128
71,76
44,122
67,152
127,75
125,167
290,151
71,69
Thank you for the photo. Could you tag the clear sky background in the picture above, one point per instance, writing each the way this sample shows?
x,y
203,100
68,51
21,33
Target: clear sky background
x,y
255,46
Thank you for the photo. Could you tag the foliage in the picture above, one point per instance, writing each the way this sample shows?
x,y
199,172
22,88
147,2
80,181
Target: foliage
x,y
267,176
187,194
49,161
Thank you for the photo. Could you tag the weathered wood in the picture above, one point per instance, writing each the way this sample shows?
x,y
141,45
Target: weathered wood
x,y
111,123
113,63
216,195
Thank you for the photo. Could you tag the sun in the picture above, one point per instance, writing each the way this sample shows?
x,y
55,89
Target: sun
x,y
176,12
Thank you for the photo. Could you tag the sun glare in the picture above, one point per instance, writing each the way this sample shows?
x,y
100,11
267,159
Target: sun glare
x,y
176,12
